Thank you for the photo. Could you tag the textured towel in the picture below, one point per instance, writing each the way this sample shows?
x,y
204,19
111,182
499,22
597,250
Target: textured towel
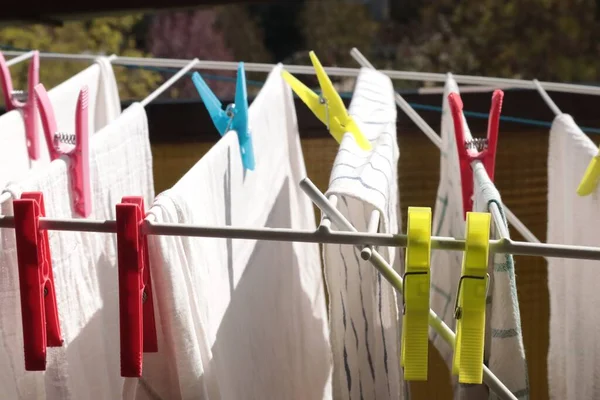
x,y
574,351
365,324
504,352
85,272
104,106
240,319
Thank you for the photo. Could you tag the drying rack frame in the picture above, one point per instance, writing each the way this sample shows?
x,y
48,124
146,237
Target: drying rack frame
x,y
348,234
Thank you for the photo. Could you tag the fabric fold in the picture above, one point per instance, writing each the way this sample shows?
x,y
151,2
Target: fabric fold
x,y
364,319
85,271
574,351
240,318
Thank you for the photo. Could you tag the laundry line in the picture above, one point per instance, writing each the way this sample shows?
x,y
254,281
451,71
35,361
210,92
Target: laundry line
x,y
331,71
348,95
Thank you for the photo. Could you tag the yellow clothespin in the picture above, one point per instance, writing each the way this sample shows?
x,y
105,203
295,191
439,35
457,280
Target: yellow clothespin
x,y
415,343
328,107
469,309
591,178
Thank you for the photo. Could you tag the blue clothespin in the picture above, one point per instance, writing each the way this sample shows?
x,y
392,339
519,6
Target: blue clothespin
x,y
234,117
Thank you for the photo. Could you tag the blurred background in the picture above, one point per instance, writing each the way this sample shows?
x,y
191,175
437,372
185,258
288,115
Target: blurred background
x,y
556,40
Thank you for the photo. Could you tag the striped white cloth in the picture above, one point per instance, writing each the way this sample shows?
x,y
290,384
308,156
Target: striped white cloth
x,y
504,351
365,325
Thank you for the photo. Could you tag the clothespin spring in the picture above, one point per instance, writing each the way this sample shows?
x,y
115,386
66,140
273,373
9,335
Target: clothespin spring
x,y
404,276
457,308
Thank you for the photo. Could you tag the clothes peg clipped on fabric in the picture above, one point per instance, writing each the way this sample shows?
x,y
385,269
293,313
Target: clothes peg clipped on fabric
x,y
74,146
469,309
415,319
24,101
39,312
234,117
591,178
470,149
327,107
136,304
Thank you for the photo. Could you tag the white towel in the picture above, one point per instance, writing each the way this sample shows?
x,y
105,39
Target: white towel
x,y
85,272
504,352
448,220
240,319
104,106
574,351
365,325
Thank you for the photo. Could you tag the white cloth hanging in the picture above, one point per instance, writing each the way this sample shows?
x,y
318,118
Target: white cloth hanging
x,y
240,318
104,106
574,351
365,324
504,351
86,367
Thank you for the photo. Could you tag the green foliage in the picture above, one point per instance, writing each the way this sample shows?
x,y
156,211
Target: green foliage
x,y
332,27
545,39
99,36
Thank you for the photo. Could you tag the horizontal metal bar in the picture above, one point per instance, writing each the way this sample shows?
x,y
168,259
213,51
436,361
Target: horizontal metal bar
x,y
332,71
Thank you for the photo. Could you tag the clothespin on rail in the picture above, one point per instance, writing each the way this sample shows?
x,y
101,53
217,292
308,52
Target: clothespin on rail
x,y
136,305
74,146
327,107
469,310
415,319
591,178
470,149
24,101
234,117
39,312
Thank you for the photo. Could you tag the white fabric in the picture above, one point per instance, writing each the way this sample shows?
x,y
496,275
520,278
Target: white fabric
x,y
240,319
85,272
574,351
104,106
504,352
365,325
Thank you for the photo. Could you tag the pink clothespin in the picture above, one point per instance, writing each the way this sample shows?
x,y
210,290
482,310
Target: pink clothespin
x,y
24,101
136,305
74,146
39,311
470,150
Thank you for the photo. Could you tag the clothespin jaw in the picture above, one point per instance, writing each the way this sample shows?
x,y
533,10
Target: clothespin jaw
x,y
469,309
327,107
74,146
415,325
136,304
591,178
39,312
471,150
25,101
234,117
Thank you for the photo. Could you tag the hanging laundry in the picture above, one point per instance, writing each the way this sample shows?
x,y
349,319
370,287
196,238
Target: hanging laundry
x,y
239,319
504,351
104,106
574,352
85,271
365,324
448,220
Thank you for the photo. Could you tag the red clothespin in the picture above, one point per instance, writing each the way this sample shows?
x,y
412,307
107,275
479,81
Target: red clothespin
x,y
24,101
470,150
74,146
39,312
136,307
